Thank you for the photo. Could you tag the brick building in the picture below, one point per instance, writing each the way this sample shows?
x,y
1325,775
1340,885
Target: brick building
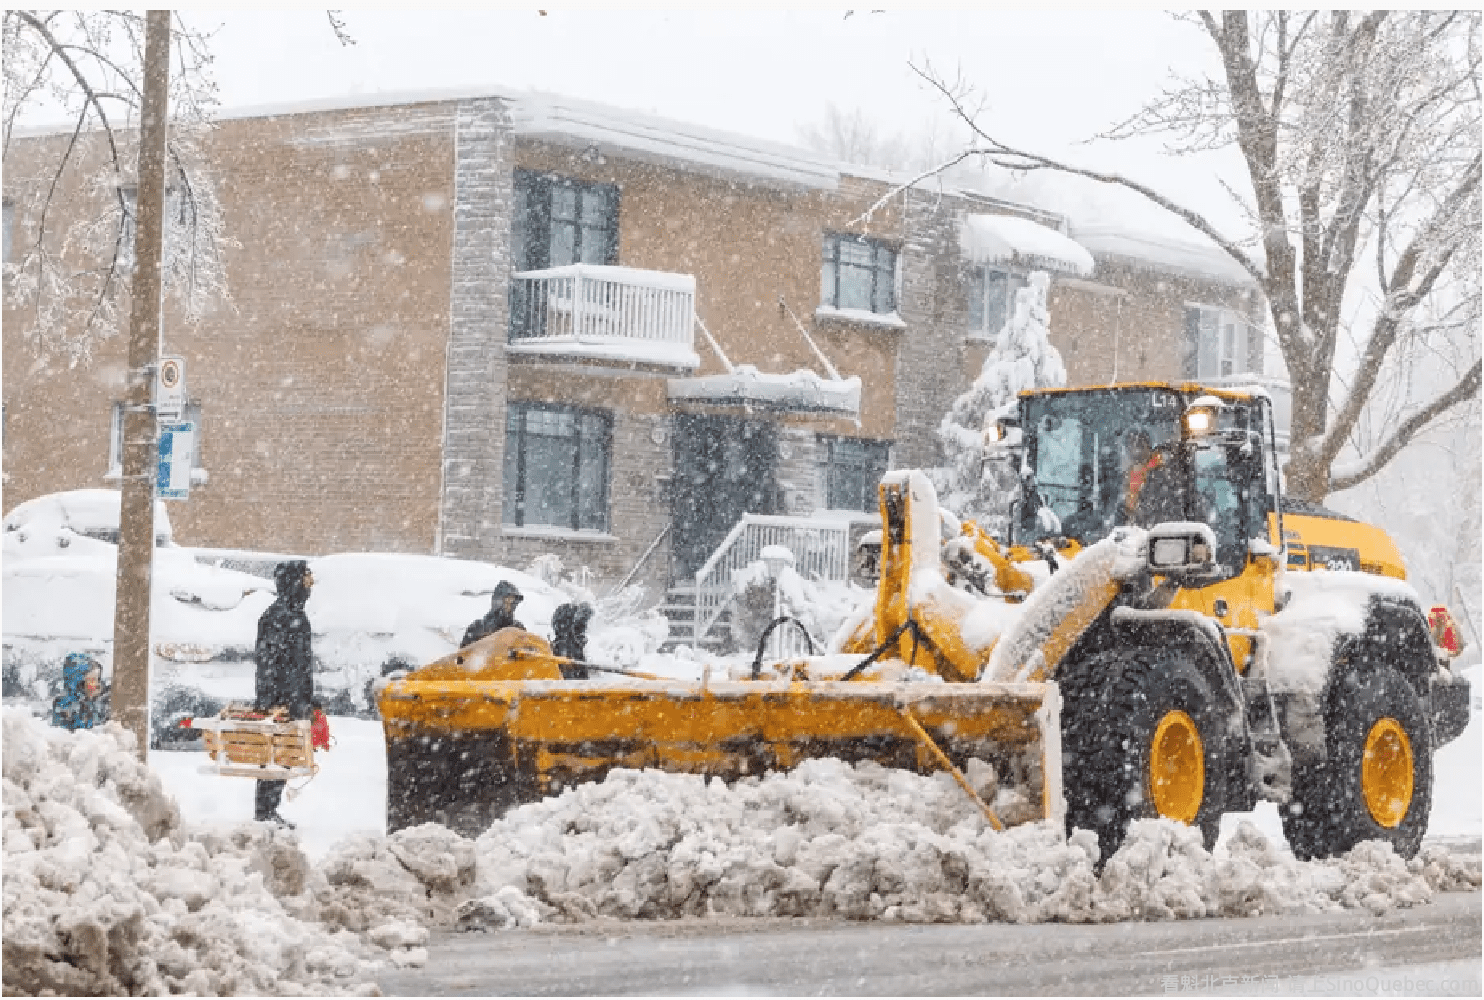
x,y
492,326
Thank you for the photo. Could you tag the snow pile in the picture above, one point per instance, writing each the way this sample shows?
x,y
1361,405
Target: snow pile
x,y
105,892
863,842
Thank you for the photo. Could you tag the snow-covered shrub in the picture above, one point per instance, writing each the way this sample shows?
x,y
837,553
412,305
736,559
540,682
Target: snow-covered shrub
x,y
982,477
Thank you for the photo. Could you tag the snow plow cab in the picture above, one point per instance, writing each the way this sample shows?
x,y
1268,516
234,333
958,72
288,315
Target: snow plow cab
x,y
1141,643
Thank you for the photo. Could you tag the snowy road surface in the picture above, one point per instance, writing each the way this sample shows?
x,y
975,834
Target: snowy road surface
x,y
1440,942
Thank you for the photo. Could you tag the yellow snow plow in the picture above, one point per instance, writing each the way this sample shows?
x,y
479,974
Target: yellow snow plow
x,y
1138,646
494,724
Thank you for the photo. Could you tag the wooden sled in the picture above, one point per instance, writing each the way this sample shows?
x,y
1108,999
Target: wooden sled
x,y
241,747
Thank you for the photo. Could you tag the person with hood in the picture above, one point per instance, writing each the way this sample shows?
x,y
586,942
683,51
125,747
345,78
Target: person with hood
x,y
500,615
284,678
83,702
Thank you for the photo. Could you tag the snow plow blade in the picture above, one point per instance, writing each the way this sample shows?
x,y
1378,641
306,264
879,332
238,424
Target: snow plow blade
x,y
462,752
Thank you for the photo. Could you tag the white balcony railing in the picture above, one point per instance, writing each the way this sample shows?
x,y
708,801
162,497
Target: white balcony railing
x,y
605,310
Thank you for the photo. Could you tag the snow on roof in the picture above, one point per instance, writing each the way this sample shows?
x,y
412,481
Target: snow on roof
x,y
802,390
996,239
575,122
1201,259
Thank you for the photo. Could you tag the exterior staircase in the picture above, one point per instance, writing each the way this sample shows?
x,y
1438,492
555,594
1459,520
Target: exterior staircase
x,y
700,608
680,608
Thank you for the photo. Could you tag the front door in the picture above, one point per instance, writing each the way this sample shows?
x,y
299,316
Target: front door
x,y
724,467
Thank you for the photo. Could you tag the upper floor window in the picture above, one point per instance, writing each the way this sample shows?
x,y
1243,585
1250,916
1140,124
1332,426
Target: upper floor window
x,y
858,273
560,221
853,468
1216,342
556,466
992,299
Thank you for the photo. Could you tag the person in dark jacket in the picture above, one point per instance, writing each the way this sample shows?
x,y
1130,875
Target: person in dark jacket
x,y
500,615
83,702
569,638
284,678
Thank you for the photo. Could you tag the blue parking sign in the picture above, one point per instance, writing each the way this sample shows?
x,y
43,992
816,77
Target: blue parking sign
x,y
173,470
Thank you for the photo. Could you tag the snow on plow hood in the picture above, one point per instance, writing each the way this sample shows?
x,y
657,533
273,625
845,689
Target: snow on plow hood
x,y
1324,607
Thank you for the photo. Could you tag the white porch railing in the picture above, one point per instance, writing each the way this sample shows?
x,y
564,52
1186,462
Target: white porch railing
x,y
821,549
595,304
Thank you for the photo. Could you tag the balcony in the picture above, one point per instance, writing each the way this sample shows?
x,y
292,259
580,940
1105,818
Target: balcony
x,y
605,313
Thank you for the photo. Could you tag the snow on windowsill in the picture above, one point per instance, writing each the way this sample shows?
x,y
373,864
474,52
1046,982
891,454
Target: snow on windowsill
x,y
864,316
555,531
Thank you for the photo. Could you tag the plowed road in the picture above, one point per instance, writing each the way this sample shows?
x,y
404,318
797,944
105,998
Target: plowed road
x,y
1440,941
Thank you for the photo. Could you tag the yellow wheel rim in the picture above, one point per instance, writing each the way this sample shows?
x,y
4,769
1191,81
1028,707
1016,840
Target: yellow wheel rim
x,y
1177,767
1386,773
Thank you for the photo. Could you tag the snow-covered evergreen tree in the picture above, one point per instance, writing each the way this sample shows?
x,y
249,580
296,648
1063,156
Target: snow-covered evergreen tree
x,y
982,477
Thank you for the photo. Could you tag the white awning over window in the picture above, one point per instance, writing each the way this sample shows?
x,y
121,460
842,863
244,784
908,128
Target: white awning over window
x,y
1007,239
801,392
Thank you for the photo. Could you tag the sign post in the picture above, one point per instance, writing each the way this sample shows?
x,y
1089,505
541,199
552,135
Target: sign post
x,y
173,471
170,389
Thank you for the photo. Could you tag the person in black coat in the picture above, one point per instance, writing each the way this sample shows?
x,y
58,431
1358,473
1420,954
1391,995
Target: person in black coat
x,y
284,678
500,615
569,638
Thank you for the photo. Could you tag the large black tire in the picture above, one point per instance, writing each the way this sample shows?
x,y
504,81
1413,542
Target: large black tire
x,y
1348,797
1115,707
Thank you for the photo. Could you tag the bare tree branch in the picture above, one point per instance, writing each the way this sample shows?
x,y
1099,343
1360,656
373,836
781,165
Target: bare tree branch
x,y
1465,388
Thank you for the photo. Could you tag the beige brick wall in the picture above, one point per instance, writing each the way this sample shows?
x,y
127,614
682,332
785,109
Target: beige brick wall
x,y
321,384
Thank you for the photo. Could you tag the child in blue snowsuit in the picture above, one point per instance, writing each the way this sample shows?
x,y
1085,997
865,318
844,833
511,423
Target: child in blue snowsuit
x,y
83,702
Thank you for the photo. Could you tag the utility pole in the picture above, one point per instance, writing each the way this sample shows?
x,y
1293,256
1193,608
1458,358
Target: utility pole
x,y
131,648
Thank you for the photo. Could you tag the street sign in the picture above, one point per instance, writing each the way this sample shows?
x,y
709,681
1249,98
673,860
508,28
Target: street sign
x,y
170,389
177,452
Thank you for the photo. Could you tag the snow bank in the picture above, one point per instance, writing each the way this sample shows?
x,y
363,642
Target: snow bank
x,y
863,842
105,893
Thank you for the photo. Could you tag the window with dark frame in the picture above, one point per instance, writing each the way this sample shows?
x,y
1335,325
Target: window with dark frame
x,y
1216,343
858,272
992,299
560,221
556,466
853,471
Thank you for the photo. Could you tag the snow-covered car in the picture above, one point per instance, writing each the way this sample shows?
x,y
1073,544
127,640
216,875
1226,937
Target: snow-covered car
x,y
57,519
369,612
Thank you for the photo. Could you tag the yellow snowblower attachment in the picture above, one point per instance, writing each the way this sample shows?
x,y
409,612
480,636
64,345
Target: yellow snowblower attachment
x,y
494,724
